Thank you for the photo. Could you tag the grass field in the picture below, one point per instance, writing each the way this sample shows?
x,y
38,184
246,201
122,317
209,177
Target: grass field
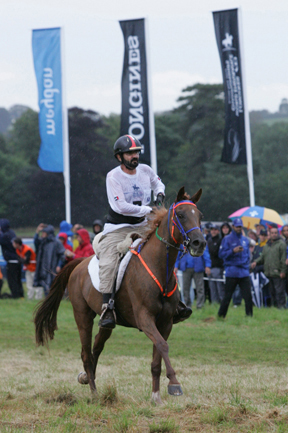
x,y
234,375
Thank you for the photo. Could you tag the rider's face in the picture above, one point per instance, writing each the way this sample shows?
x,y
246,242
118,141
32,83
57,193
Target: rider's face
x,y
132,158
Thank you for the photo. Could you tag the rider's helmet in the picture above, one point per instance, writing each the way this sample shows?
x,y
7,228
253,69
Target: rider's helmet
x,y
126,143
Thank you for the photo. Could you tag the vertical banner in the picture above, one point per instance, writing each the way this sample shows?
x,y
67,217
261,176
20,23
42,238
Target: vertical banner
x,y
227,36
135,101
46,45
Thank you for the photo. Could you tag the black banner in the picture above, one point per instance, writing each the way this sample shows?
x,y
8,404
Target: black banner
x,y
135,107
227,36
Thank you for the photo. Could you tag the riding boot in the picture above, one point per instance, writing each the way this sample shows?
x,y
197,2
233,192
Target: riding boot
x,y
108,318
182,313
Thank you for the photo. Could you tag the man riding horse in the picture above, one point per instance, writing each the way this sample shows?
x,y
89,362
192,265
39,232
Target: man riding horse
x,y
129,193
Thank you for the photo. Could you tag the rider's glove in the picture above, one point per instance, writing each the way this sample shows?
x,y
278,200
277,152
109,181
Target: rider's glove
x,y
159,200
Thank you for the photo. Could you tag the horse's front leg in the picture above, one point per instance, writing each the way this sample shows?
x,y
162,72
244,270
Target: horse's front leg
x,y
146,323
165,330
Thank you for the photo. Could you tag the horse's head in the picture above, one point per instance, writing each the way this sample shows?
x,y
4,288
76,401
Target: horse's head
x,y
185,222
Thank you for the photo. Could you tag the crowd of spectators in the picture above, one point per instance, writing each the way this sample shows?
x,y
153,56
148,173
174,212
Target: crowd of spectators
x,y
235,264
45,260
239,264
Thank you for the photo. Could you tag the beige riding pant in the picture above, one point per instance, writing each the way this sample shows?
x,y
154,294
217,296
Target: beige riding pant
x,y
109,257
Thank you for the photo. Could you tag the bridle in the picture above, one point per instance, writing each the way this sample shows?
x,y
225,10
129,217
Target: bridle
x,y
186,239
177,223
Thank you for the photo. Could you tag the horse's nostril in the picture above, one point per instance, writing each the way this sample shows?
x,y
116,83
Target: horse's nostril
x,y
196,243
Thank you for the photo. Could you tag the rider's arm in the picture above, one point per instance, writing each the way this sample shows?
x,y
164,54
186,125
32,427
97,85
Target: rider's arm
x,y
118,203
156,185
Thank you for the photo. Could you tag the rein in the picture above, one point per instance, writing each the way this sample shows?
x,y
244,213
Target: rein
x,y
186,242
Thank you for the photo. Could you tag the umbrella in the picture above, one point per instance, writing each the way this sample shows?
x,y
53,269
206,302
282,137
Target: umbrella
x,y
257,215
258,281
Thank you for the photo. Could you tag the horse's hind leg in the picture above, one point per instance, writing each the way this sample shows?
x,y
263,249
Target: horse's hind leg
x,y
84,320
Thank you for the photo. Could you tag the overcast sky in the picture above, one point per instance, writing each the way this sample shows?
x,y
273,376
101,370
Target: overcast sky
x,y
182,43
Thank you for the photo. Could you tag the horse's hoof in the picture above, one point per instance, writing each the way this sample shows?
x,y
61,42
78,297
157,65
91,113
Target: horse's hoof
x,y
175,390
83,378
156,398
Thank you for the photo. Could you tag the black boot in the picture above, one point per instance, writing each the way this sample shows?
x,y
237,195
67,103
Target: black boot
x,y
182,313
107,319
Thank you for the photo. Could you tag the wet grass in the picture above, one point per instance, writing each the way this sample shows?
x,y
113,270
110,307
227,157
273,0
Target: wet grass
x,y
233,373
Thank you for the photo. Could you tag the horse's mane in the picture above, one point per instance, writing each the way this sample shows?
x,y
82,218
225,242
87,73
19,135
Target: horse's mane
x,y
155,218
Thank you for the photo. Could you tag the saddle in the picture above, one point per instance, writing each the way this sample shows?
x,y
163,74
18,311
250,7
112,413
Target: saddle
x,y
124,250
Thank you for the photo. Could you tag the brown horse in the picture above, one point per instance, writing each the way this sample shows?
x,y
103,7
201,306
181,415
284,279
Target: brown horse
x,y
146,302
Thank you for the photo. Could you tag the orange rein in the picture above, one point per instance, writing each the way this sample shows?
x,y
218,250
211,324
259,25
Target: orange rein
x,y
153,276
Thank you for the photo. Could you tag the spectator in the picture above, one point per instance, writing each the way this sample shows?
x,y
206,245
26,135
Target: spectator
x,y
252,235
85,248
258,228
234,250
66,227
206,230
194,267
97,227
273,258
14,266
75,242
49,256
225,229
252,245
1,282
284,233
216,287
259,248
63,238
28,260
260,268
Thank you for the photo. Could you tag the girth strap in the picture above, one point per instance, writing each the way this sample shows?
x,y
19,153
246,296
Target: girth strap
x,y
153,276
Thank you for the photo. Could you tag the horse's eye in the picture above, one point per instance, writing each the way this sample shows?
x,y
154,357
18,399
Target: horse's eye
x,y
180,215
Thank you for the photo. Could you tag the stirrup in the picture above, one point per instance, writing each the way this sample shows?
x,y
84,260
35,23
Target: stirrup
x,y
108,322
182,313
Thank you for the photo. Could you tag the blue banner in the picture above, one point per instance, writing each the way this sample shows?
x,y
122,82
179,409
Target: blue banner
x,y
46,45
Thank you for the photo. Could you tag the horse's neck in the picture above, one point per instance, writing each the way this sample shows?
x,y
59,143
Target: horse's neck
x,y
161,247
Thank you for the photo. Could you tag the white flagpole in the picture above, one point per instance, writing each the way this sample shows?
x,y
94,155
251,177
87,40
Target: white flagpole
x,y
65,135
246,116
152,135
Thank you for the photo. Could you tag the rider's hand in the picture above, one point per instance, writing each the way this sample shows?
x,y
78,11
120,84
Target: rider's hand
x,y
253,265
282,275
159,200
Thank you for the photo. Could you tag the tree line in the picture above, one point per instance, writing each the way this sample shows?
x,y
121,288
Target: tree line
x,y
189,146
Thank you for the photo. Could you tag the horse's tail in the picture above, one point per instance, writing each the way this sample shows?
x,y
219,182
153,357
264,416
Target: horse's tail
x,y
45,317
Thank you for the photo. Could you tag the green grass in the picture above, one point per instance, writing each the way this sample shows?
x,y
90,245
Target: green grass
x,y
237,340
234,375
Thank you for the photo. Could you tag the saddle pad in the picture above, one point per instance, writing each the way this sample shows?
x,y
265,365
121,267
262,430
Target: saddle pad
x,y
93,268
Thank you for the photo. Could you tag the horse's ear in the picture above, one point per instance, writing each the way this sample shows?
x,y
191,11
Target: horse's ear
x,y
196,197
181,194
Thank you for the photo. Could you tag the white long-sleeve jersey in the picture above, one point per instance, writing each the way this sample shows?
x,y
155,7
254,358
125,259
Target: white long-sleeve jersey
x,y
126,191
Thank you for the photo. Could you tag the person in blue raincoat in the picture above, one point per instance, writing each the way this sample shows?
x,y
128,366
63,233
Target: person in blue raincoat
x,y
234,251
194,267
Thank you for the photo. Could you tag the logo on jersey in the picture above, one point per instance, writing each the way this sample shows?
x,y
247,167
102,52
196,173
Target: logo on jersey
x,y
116,198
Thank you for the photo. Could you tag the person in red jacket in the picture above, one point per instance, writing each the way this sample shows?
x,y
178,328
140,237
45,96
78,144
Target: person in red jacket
x,y
85,248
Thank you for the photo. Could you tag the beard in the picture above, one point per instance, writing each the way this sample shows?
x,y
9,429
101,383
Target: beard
x,y
131,165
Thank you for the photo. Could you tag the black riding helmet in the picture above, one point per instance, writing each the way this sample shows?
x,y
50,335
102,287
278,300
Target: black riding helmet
x,y
126,143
